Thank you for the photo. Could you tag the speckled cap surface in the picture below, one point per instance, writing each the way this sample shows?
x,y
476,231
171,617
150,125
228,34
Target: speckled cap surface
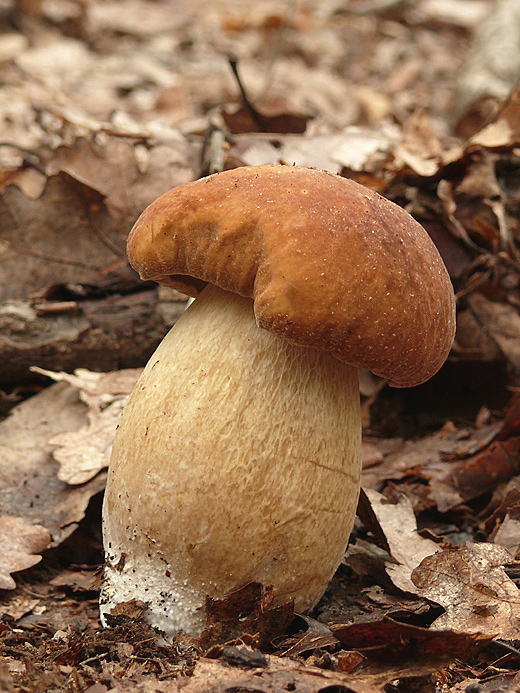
x,y
328,263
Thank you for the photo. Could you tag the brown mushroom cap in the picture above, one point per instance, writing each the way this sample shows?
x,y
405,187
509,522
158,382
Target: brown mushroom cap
x,y
328,263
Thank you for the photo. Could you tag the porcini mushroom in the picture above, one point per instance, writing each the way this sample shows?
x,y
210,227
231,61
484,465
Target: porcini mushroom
x,y
238,454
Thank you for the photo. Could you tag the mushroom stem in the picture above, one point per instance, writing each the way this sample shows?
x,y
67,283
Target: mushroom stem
x,y
237,459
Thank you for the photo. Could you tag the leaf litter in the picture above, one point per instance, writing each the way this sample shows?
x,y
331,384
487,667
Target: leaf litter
x,y
103,109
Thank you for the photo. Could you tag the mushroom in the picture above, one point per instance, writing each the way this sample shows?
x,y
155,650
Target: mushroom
x,y
237,458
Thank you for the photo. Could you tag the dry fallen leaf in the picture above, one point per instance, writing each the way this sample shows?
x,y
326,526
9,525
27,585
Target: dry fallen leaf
x,y
406,547
20,542
420,148
19,605
278,674
66,235
501,322
508,536
404,642
354,147
77,227
471,584
122,172
29,485
85,452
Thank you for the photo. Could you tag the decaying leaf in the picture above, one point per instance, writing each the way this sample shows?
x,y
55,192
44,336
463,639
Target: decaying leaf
x,y
18,606
452,466
40,246
504,128
78,226
21,543
481,472
403,456
471,584
121,172
503,525
85,452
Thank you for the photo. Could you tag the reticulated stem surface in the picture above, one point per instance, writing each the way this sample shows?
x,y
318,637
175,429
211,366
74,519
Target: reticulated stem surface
x,y
237,460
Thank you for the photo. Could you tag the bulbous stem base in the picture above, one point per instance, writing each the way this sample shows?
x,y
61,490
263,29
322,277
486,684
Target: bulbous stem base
x,y
237,459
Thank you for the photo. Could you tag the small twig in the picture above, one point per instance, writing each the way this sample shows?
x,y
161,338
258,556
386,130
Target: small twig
x,y
148,660
31,592
103,655
255,116
213,147
506,236
142,642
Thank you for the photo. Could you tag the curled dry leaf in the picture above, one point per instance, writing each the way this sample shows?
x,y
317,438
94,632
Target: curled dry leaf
x,y
471,584
85,452
478,474
503,130
21,542
503,525
396,523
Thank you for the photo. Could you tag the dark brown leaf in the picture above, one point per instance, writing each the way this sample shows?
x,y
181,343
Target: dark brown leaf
x,y
247,610
388,638
499,462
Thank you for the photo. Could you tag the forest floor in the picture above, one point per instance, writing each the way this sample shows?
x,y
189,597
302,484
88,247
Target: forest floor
x,y
104,106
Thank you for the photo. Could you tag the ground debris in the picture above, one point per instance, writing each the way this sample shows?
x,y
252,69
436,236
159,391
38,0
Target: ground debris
x,y
106,105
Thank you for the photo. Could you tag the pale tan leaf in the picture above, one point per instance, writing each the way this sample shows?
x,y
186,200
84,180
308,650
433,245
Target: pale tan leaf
x,y
84,452
508,536
407,547
21,543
